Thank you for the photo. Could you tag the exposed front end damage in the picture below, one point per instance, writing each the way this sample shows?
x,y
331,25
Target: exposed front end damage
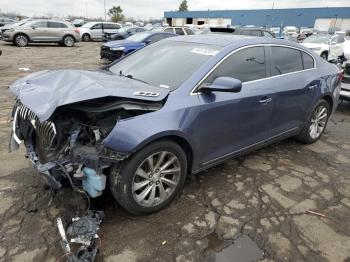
x,y
68,148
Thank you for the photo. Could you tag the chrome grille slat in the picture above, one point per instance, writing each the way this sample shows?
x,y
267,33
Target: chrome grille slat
x,y
46,130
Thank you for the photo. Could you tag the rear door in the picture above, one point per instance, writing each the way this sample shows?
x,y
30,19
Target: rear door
x,y
39,31
55,30
294,87
232,122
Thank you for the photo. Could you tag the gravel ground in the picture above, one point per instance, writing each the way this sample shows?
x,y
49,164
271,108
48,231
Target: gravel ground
x,y
264,195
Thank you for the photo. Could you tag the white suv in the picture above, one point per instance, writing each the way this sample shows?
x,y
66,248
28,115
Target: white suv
x,y
94,30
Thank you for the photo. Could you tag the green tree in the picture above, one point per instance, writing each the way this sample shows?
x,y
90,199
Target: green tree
x,y
183,6
116,13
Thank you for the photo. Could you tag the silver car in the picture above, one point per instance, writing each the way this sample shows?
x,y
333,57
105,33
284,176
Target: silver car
x,y
43,31
95,30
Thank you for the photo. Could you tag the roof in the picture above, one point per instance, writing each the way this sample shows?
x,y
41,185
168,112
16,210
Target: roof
x,y
225,39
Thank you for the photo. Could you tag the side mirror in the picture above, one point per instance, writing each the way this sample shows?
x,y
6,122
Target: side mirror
x,y
223,84
33,27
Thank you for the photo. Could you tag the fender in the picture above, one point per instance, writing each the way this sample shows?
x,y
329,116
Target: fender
x,y
129,135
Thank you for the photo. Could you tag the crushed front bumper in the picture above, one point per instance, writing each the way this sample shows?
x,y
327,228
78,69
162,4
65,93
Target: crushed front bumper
x,y
109,54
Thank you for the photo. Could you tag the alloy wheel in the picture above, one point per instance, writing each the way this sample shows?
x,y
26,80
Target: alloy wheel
x,y
156,179
318,121
21,40
68,41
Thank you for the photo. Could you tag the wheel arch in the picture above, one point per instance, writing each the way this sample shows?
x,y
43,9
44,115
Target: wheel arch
x,y
179,139
21,33
328,98
75,40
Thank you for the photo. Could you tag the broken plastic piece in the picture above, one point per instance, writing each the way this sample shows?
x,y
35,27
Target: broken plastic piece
x,y
83,231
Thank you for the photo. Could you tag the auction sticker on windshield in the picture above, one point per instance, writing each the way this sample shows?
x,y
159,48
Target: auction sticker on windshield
x,y
204,51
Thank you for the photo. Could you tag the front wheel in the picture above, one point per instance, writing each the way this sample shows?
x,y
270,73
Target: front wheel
x,y
150,179
21,40
316,123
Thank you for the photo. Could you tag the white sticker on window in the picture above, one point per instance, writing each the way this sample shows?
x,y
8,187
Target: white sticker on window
x,y
204,51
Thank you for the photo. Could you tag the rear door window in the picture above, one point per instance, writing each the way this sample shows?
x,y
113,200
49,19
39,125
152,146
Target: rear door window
x,y
285,60
56,25
246,65
308,61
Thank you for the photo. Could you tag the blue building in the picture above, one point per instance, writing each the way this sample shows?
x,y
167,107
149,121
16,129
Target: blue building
x,y
322,18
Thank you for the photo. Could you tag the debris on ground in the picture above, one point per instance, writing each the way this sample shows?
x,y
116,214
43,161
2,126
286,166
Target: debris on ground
x,y
24,69
315,213
81,231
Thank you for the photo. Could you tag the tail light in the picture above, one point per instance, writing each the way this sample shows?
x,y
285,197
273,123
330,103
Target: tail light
x,y
76,30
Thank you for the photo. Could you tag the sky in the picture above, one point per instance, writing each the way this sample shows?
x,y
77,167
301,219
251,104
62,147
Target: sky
x,y
145,9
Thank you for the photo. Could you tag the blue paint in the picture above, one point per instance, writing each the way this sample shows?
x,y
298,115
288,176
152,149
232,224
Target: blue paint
x,y
268,17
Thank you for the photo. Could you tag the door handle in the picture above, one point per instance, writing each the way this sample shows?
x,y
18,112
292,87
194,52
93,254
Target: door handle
x,y
265,101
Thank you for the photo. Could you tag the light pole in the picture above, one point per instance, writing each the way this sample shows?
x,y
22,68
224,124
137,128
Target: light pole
x,y
104,7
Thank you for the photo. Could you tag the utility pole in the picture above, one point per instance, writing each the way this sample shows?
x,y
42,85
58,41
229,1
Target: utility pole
x,y
86,13
104,7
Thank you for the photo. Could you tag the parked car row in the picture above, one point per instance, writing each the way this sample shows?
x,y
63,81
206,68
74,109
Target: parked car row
x,y
42,31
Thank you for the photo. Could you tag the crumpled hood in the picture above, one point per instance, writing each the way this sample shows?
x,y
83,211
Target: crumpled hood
x,y
44,91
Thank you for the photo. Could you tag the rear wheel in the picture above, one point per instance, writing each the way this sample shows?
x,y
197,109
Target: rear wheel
x,y
86,37
21,40
316,123
68,41
150,179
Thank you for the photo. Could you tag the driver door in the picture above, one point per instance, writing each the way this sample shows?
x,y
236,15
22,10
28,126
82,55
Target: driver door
x,y
233,122
96,31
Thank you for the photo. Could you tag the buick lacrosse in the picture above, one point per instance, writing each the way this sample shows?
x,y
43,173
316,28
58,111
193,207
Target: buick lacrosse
x,y
171,109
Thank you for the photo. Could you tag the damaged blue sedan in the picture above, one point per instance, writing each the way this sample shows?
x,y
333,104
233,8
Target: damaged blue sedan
x,y
173,108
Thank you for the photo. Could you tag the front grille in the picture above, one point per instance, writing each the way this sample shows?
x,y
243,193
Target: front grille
x,y
45,130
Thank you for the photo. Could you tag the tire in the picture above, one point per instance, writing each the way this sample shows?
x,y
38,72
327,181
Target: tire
x,y
133,190
68,41
324,55
86,38
21,40
310,133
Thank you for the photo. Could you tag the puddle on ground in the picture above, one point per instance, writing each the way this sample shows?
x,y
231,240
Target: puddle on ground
x,y
243,249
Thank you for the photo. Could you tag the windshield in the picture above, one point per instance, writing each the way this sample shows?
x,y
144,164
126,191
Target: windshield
x,y
139,37
317,39
166,63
